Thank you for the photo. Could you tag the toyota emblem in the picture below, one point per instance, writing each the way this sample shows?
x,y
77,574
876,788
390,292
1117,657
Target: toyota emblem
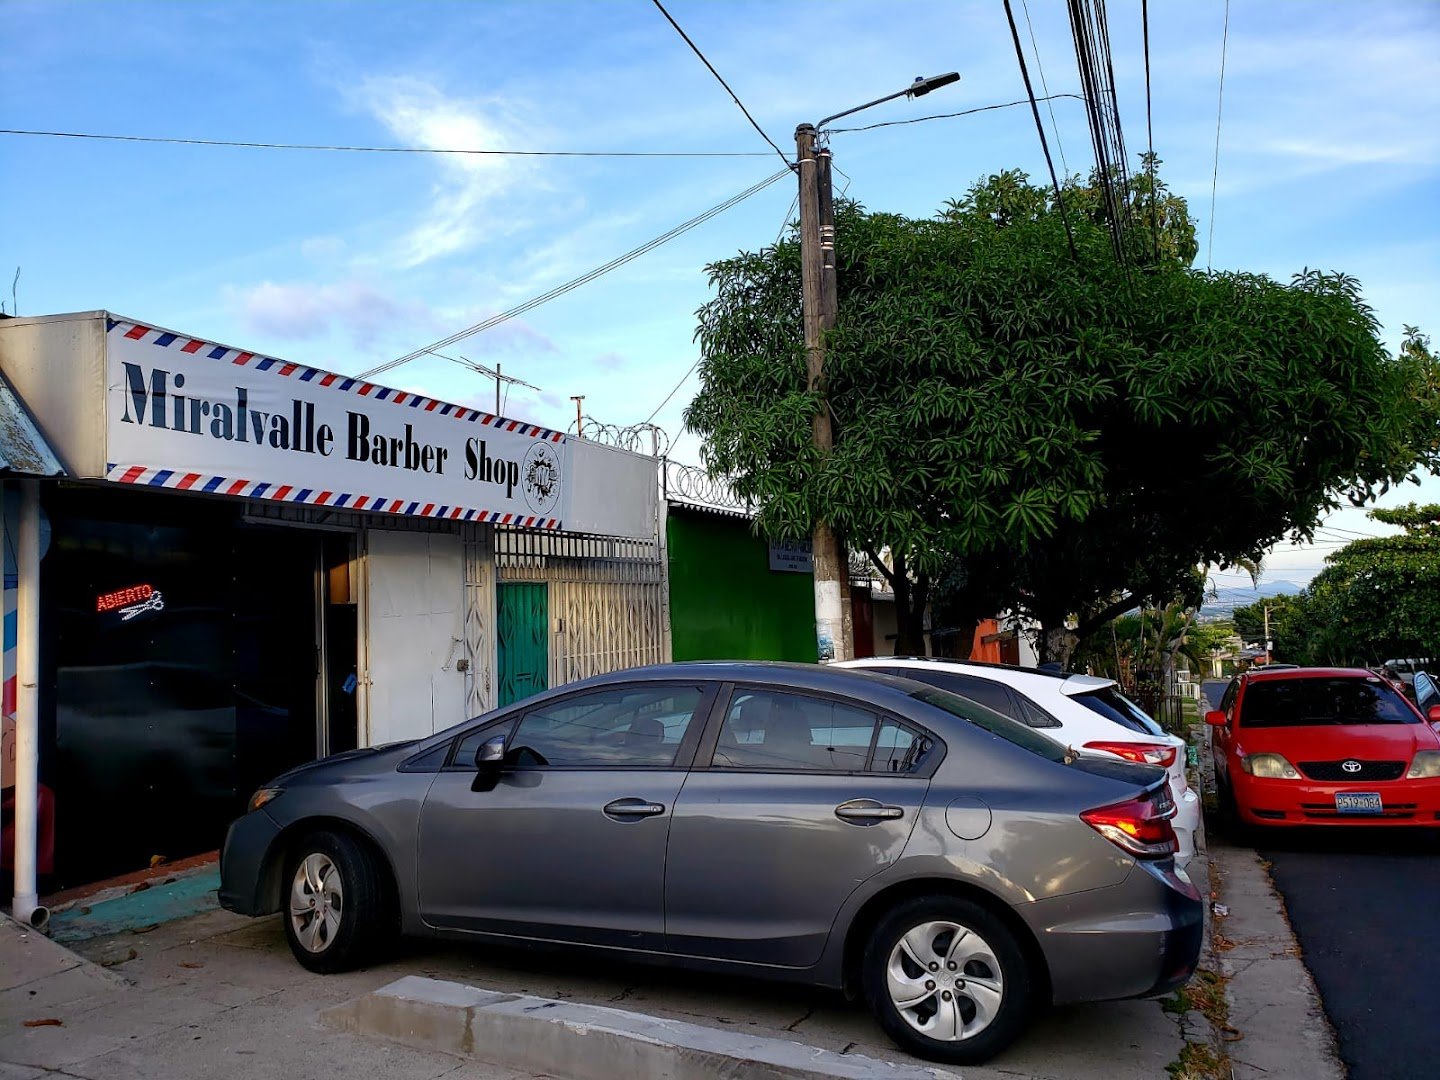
x,y
1352,766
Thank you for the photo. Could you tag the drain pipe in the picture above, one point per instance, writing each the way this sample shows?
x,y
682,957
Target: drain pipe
x,y
26,906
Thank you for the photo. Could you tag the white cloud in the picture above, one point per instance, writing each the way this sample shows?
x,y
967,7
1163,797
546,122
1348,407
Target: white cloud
x,y
323,250
462,209
302,311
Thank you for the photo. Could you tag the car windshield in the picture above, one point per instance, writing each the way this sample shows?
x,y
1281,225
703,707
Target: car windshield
x,y
1322,701
1011,731
1113,705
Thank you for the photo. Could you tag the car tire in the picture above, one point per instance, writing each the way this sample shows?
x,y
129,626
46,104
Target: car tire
x,y
1237,830
926,1010
337,912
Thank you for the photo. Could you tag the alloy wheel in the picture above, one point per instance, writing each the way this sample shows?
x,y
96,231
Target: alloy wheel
x,y
317,900
945,980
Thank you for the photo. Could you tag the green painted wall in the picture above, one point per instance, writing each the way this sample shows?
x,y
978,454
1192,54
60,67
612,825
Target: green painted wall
x,y
725,601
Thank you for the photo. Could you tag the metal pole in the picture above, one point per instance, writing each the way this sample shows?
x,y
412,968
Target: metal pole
x,y
497,388
26,905
829,608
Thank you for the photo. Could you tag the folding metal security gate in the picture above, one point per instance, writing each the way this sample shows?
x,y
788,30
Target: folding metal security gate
x,y
605,596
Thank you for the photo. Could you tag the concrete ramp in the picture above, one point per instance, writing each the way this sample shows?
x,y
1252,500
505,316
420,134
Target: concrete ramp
x,y
591,1042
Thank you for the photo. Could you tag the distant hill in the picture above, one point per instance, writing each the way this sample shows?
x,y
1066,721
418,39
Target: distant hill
x,y
1229,597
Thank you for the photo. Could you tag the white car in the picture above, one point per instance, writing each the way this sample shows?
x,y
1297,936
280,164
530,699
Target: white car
x,y
1081,712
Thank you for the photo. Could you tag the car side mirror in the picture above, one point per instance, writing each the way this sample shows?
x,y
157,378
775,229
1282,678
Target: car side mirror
x,y
1434,714
1215,718
489,760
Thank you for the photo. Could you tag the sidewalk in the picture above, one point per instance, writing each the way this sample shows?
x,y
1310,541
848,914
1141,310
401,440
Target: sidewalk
x,y
191,1005
217,995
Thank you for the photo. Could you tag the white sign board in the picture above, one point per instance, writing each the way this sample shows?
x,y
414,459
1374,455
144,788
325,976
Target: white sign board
x,y
793,556
195,416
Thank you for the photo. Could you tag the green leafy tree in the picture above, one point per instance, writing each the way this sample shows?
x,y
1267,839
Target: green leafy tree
x,y
1014,418
1379,598
1291,628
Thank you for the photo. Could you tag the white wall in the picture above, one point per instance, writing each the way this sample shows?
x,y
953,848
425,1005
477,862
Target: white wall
x,y
413,634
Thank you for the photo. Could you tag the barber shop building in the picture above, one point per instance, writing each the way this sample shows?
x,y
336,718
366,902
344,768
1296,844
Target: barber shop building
x,y
221,564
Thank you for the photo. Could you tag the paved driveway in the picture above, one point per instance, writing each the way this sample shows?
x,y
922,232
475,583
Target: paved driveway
x,y
1363,906
245,963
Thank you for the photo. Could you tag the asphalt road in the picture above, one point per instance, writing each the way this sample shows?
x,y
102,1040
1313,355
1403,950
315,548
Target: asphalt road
x,y
1364,908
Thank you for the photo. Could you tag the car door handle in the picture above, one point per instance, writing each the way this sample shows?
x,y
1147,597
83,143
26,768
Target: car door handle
x,y
633,808
867,812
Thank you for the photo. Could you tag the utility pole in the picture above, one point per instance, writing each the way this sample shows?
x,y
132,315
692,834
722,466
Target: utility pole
x,y
834,635
1266,609
498,379
831,641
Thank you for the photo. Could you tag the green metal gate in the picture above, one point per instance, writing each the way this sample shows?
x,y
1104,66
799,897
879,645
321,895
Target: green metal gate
x,y
522,616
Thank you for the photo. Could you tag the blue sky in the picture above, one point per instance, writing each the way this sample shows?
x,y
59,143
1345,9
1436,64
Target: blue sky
x,y
1330,157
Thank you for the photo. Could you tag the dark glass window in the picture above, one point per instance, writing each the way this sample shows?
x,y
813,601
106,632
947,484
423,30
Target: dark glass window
x,y
991,694
636,726
1033,714
1323,701
1426,693
898,749
1113,705
1012,731
768,729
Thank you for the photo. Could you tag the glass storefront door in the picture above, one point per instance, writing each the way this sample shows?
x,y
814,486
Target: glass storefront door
x,y
183,652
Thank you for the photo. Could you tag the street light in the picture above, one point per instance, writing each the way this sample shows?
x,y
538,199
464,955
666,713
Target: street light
x,y
833,636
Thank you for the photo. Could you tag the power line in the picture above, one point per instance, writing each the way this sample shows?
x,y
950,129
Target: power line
x,y
683,379
1090,31
787,219
1219,112
574,283
1045,86
387,149
1150,130
696,50
1040,127
951,115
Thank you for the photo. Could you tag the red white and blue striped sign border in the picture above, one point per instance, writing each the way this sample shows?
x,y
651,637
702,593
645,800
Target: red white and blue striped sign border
x,y
179,480
165,339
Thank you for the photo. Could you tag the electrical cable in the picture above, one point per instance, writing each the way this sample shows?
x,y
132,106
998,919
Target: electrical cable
x,y
696,50
1045,86
1150,131
785,222
951,115
1090,33
387,149
583,279
683,379
1040,127
1219,112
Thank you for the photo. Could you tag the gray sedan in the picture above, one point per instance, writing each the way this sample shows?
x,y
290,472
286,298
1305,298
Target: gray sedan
x,y
850,830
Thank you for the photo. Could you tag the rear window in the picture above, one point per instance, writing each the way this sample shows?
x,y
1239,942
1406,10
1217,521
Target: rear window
x,y
1113,705
1011,731
1318,702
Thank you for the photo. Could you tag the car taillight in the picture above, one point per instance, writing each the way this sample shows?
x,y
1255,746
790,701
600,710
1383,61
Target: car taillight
x,y
1143,753
1139,826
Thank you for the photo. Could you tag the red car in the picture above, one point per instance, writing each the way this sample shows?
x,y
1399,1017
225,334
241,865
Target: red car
x,y
1324,746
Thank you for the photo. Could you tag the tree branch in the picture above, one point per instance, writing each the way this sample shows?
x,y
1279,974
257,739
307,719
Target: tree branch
x,y
885,571
1092,623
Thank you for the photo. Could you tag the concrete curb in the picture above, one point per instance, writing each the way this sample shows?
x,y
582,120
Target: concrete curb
x,y
590,1042
1273,1000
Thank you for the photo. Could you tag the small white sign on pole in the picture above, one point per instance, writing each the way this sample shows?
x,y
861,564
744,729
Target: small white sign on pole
x,y
792,556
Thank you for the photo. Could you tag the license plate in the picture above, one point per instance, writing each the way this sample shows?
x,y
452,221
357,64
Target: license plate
x,y
1358,802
